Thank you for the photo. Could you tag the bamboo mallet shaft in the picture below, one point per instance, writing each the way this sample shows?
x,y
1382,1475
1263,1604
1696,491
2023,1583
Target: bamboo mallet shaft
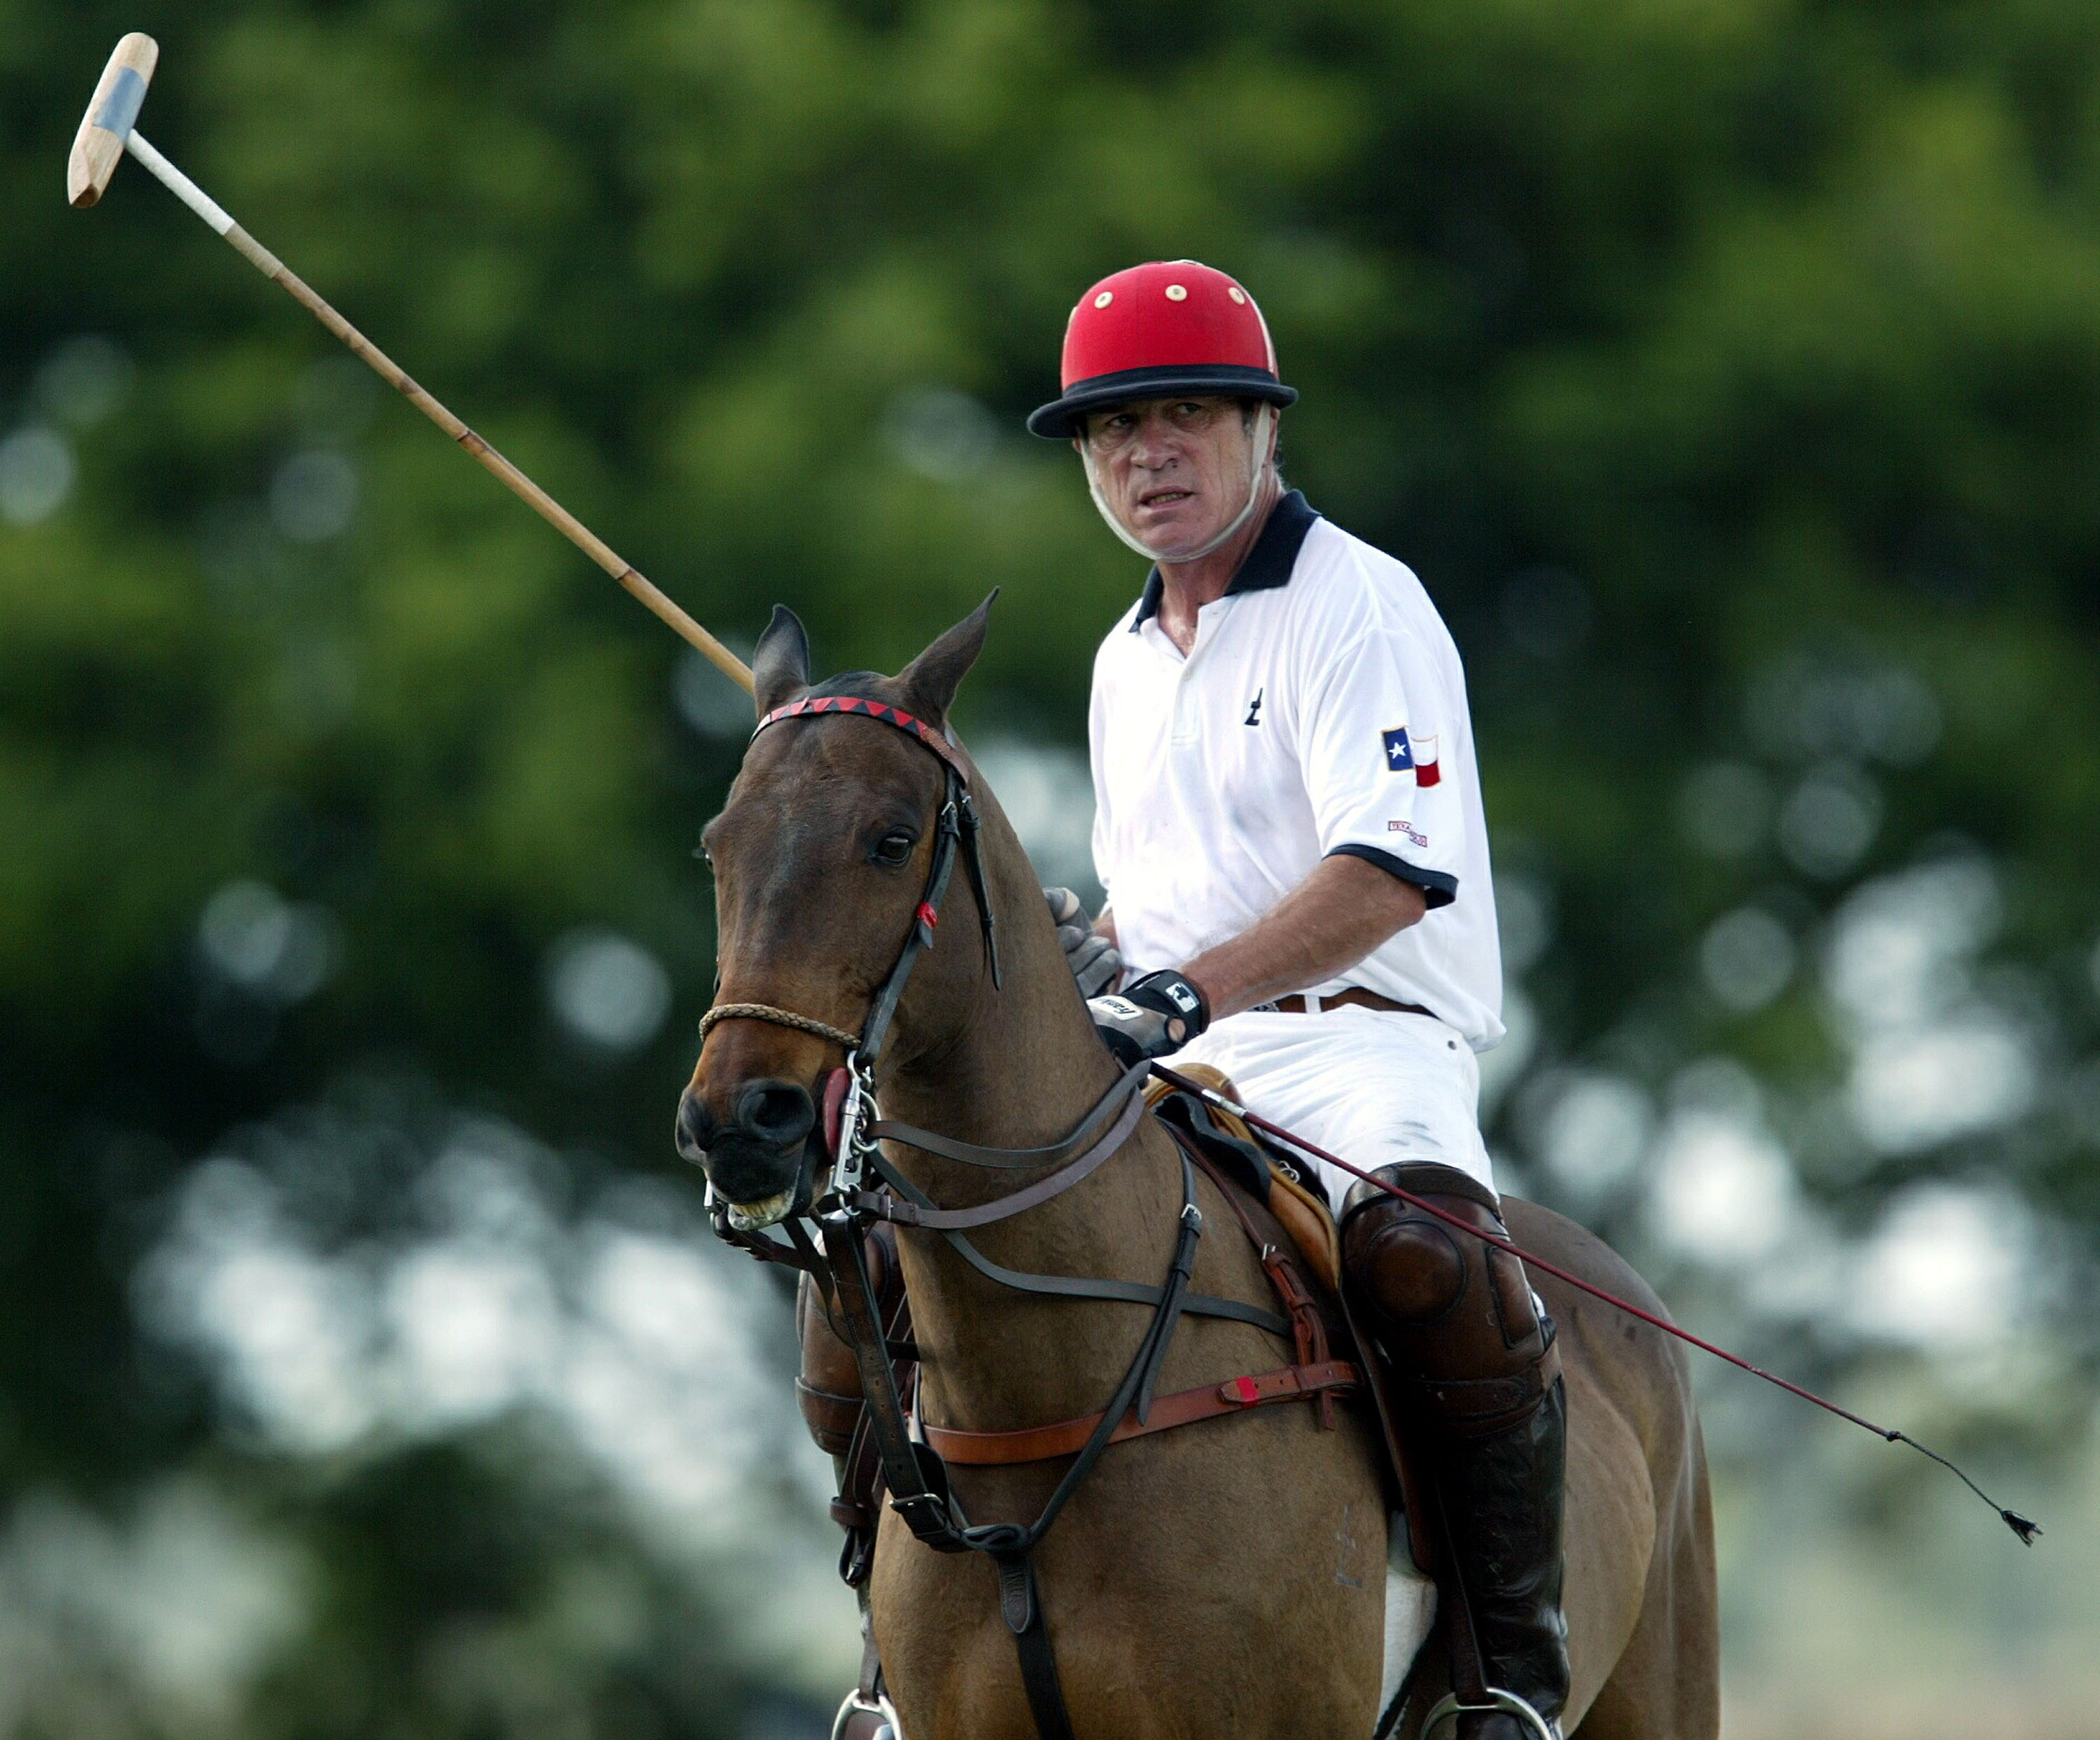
x,y
94,160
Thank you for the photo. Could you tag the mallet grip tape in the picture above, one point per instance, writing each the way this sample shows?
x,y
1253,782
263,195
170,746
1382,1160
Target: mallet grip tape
x,y
119,112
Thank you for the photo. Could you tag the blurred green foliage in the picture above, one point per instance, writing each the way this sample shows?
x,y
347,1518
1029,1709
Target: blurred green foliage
x,y
1722,365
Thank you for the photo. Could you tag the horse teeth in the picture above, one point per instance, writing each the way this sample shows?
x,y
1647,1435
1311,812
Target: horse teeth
x,y
768,1210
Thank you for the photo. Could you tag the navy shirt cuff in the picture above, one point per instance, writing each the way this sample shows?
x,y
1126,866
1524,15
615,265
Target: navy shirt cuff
x,y
1438,887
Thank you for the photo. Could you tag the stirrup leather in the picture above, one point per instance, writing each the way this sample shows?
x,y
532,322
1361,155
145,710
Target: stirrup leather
x,y
1508,1703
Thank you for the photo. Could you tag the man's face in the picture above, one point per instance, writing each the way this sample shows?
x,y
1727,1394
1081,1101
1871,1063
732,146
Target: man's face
x,y
1174,471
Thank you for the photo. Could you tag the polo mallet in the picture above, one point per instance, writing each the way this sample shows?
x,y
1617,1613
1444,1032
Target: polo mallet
x,y
107,131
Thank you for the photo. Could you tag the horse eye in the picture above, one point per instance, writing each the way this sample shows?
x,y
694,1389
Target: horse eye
x,y
894,848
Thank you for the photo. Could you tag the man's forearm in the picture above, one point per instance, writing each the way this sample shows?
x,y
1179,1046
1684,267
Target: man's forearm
x,y
1339,914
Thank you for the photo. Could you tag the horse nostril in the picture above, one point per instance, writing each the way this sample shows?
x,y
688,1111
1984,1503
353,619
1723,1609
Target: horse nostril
x,y
776,1113
695,1126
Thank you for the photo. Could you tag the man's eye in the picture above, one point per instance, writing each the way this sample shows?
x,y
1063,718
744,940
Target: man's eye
x,y
894,848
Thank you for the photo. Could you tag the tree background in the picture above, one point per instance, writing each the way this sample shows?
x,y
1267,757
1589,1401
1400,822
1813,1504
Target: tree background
x,y
1729,370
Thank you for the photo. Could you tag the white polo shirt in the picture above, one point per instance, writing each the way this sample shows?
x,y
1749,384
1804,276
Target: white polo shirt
x,y
1321,710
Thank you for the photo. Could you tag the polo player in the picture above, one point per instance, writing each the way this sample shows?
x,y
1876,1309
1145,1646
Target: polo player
x,y
1289,831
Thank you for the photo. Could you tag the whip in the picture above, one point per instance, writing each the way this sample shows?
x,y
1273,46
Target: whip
x,y
2026,1528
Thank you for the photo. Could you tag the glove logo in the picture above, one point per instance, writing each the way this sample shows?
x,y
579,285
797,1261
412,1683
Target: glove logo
x,y
1122,1008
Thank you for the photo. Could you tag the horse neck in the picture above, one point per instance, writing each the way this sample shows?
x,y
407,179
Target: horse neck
x,y
1022,1068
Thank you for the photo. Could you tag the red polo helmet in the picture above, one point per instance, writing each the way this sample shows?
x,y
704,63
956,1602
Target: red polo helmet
x,y
1172,326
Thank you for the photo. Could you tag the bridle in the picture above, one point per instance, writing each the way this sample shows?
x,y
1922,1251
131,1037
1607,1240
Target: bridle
x,y
957,827
852,1134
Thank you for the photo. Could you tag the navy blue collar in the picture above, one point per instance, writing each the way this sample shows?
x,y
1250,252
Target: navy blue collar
x,y
1268,564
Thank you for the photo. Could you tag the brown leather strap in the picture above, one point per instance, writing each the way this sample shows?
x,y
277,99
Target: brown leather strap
x,y
1185,1407
906,1213
1354,997
1110,1104
1308,1333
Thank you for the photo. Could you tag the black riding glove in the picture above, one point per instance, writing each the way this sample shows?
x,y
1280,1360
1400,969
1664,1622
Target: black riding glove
x,y
1095,963
1158,1014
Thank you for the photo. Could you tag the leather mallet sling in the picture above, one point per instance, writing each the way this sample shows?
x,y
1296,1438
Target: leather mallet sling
x,y
109,132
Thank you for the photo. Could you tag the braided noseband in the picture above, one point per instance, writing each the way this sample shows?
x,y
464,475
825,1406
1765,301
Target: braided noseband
x,y
780,1018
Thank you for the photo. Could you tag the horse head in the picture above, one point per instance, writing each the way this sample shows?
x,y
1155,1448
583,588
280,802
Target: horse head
x,y
821,857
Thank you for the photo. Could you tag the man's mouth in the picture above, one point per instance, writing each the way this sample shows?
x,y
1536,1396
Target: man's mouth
x,y
1164,497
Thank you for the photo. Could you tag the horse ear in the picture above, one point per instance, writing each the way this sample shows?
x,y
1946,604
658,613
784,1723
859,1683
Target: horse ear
x,y
780,666
929,682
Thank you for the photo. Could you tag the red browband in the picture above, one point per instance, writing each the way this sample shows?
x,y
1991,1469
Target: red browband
x,y
871,709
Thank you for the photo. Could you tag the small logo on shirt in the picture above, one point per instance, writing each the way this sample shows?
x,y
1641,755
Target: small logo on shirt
x,y
1254,707
1418,757
1408,828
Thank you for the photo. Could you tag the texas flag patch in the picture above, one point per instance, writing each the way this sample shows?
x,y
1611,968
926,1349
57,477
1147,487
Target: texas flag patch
x,y
1417,756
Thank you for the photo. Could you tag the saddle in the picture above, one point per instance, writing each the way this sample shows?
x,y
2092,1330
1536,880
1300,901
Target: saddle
x,y
1263,1172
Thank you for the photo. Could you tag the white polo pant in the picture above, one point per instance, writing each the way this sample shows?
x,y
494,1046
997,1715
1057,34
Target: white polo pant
x,y
1376,1087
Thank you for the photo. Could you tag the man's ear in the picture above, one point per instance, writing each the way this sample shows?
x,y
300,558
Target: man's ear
x,y
780,665
929,682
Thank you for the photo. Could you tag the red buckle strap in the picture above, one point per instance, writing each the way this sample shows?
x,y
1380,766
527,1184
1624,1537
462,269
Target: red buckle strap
x,y
1065,1437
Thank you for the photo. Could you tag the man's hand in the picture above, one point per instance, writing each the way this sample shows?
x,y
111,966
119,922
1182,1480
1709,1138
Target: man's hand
x,y
1158,1014
1094,959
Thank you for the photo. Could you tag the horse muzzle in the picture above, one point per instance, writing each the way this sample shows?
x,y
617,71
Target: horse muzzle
x,y
759,1158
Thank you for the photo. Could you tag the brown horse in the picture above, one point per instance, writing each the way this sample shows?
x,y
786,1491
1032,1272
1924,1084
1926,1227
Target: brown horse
x,y
1228,1577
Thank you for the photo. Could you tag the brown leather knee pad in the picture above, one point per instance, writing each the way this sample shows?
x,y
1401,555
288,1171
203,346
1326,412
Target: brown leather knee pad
x,y
827,1388
1454,1317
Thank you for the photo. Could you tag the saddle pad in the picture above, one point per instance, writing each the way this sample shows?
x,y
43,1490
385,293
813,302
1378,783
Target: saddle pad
x,y
1410,1615
1301,1208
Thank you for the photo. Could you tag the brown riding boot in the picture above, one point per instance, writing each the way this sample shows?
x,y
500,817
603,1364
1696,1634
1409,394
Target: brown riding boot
x,y
1472,1356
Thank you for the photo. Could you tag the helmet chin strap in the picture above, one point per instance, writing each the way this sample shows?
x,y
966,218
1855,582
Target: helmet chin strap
x,y
1265,419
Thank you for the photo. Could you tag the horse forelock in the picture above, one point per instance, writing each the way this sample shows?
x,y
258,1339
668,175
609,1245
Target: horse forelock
x,y
870,683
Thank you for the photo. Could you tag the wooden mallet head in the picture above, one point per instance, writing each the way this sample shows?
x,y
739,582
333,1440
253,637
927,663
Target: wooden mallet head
x,y
98,146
